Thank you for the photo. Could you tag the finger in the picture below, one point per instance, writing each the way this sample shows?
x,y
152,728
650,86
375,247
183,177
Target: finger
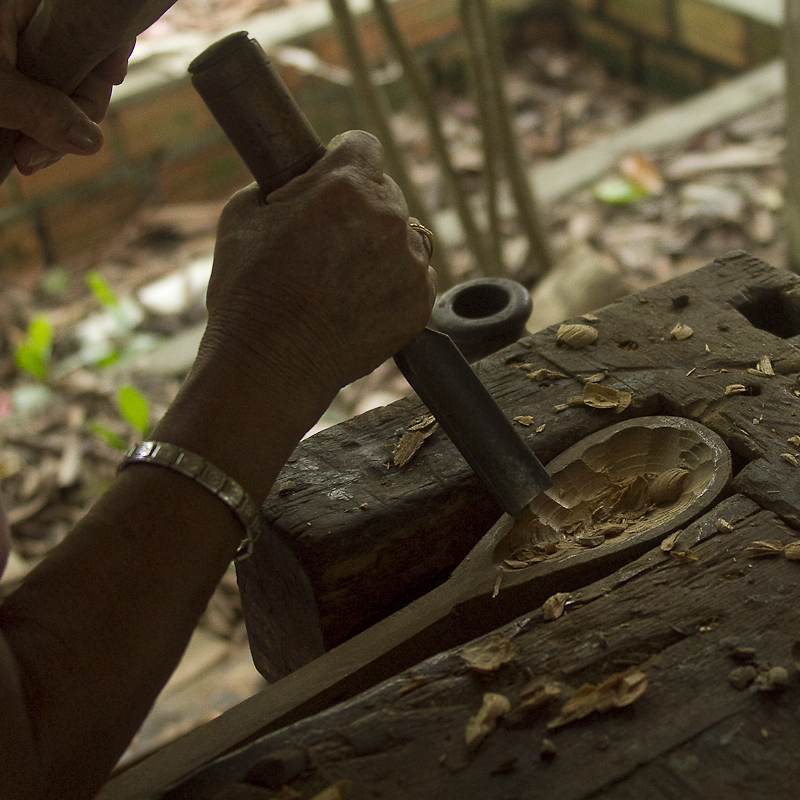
x,y
358,149
46,115
421,233
93,96
114,68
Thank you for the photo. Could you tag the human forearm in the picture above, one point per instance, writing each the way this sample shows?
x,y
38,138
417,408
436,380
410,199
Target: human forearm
x,y
98,629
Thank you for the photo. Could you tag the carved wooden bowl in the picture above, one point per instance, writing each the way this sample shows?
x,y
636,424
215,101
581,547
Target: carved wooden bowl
x,y
639,479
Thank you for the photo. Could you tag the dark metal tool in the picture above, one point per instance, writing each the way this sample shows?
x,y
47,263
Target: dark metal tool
x,y
261,118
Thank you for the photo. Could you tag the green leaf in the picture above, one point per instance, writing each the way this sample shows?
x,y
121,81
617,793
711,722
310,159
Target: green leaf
x,y
33,354
134,407
29,359
618,191
40,333
114,439
102,290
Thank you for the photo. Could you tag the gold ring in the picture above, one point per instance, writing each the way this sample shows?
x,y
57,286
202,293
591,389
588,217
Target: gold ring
x,y
427,235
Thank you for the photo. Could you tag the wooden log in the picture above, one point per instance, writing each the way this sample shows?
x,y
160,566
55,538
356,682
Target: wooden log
x,y
373,537
697,731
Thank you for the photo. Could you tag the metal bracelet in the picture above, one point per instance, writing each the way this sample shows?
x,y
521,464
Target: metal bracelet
x,y
209,477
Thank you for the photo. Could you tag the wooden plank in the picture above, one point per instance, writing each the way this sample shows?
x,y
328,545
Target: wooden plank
x,y
692,734
372,537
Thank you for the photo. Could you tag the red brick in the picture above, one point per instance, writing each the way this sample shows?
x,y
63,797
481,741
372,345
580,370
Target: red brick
x,y
156,122
607,43
89,223
676,75
648,16
213,172
713,32
21,251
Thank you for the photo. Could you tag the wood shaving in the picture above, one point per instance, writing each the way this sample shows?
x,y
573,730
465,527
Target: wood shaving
x,y
596,395
765,548
667,486
525,420
723,526
617,691
735,388
541,428
684,556
553,607
576,336
790,458
545,374
596,378
681,331
414,437
494,707
489,654
671,540
765,366
590,317
792,551
795,440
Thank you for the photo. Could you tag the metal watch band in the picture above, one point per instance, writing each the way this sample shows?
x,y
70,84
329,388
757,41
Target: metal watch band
x,y
209,477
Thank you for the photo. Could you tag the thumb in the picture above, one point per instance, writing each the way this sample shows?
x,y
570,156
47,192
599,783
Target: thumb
x,y
46,115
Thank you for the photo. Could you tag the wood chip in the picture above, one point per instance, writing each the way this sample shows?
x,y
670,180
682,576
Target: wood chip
x,y
681,331
723,526
792,459
668,543
684,556
735,388
765,365
667,486
792,551
553,607
765,548
617,691
795,440
414,437
338,791
545,374
494,707
525,420
489,654
596,395
576,336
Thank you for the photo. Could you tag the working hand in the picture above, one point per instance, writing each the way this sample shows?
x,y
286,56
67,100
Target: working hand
x,y
52,124
325,280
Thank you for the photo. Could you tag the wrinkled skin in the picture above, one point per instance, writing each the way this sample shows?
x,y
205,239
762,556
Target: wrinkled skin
x,y
52,124
311,288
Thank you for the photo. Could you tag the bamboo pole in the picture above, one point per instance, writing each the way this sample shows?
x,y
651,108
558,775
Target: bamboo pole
x,y
378,119
791,56
516,173
477,68
421,92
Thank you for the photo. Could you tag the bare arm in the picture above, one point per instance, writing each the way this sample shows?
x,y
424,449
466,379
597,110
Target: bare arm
x,y
308,292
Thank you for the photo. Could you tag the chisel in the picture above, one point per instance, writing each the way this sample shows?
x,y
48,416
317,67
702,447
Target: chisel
x,y
275,140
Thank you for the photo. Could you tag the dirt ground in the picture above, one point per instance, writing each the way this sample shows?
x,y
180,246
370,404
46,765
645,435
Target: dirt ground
x,y
660,214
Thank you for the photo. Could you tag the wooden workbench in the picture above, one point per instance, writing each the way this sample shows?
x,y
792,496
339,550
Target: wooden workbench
x,y
374,536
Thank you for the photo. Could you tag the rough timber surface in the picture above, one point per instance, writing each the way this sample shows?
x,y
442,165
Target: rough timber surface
x,y
372,536
690,735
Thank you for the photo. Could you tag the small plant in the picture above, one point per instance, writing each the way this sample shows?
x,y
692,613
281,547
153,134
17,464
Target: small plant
x,y
33,353
134,408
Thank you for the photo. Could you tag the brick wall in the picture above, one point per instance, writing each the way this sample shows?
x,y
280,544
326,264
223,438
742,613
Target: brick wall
x,y
163,146
673,46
